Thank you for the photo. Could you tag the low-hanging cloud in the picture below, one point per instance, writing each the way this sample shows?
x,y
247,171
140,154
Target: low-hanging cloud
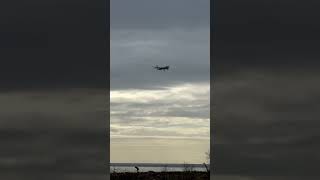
x,y
134,52
266,118
181,111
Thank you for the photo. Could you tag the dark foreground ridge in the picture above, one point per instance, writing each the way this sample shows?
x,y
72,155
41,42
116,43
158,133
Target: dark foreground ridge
x,y
193,175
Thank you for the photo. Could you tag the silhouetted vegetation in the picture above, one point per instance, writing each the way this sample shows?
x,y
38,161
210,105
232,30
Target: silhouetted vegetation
x,y
190,175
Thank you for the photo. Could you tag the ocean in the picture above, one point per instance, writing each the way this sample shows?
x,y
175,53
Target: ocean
x,y
145,167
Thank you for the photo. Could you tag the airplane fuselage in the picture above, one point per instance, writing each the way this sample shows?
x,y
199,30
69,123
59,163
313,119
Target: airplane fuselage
x,y
162,68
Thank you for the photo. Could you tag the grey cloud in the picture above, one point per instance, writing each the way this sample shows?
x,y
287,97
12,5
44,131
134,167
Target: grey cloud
x,y
265,160
263,126
266,92
166,108
54,133
186,51
260,34
195,109
175,116
50,151
153,14
53,44
46,49
72,108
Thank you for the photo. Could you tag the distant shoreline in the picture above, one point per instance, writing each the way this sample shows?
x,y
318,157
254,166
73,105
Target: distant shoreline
x,y
156,164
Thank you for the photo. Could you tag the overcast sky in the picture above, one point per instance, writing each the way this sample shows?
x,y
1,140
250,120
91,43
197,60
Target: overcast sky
x,y
53,95
53,79
266,92
160,117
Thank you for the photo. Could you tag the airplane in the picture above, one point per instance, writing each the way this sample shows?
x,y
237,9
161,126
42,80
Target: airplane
x,y
161,68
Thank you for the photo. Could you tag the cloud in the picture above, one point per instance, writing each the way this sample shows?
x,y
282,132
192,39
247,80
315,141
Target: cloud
x,y
149,149
149,14
58,151
151,105
265,94
53,133
65,47
134,52
266,118
65,108
178,111
259,34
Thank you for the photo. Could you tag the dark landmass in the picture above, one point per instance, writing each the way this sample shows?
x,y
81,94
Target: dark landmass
x,y
193,175
154,164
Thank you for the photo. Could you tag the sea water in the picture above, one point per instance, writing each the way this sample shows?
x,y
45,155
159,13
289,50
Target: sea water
x,y
130,167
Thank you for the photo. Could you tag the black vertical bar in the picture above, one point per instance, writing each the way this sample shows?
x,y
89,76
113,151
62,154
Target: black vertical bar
x,y
108,88
212,120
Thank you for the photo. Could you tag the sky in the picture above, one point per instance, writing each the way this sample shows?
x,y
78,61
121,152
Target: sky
x,y
266,90
53,79
159,117
53,90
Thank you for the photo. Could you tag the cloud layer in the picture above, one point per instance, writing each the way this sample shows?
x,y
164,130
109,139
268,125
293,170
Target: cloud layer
x,y
134,52
59,133
162,118
149,106
266,123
